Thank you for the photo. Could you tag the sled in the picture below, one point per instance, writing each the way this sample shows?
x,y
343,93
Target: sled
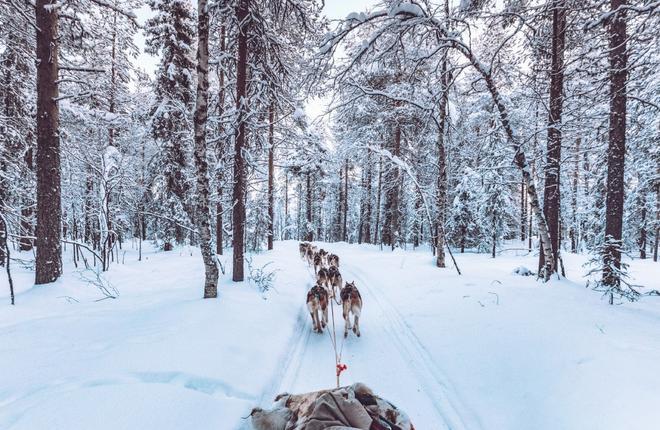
x,y
354,407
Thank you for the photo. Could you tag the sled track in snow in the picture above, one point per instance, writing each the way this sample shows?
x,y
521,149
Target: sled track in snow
x,y
431,379
289,362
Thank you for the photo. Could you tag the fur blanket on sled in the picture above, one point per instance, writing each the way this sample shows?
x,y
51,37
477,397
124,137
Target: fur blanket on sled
x,y
354,407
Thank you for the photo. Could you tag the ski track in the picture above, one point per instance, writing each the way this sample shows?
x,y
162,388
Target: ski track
x,y
389,357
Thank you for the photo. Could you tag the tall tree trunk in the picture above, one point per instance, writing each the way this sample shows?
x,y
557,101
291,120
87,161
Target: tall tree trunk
x,y
27,211
220,149
617,145
367,205
336,233
309,228
203,213
49,209
441,189
657,222
574,198
271,173
240,179
344,217
286,205
551,197
391,223
641,241
379,193
523,211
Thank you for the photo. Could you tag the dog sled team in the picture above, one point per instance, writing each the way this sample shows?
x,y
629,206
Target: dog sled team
x,y
328,287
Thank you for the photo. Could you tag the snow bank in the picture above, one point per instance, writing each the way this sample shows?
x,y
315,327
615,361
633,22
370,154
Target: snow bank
x,y
158,357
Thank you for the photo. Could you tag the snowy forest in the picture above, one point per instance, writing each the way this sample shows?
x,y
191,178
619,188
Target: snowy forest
x,y
474,167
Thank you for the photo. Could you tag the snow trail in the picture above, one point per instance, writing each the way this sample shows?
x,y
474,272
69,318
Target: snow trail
x,y
388,357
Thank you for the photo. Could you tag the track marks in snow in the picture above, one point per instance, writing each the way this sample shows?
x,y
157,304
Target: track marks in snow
x,y
419,362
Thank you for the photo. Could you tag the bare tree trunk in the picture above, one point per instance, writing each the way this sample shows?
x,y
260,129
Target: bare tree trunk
x,y
49,209
220,150
642,229
441,191
336,231
573,233
523,211
617,145
286,205
551,197
27,228
309,231
240,186
379,194
367,204
344,232
271,173
391,223
657,223
203,214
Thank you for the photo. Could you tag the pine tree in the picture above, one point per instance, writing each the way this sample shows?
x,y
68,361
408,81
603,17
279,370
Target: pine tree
x,y
170,33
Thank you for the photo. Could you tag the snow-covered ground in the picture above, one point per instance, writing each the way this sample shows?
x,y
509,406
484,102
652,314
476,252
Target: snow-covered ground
x,y
485,350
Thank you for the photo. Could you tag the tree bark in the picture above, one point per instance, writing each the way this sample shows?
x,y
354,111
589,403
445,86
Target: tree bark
x,y
240,186
367,202
551,196
27,228
220,152
391,223
309,230
657,223
286,205
271,173
523,211
344,217
379,194
441,191
574,198
618,73
202,213
641,241
49,209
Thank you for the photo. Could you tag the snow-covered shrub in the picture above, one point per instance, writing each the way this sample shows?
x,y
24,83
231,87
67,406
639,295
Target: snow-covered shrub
x,y
260,277
523,271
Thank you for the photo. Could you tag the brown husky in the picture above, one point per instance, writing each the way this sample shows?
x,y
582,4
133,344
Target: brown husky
x,y
335,281
351,302
310,256
318,262
323,278
333,260
303,249
317,301
324,256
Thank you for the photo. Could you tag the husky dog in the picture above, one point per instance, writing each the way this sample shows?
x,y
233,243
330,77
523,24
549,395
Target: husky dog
x,y
333,260
303,248
323,278
335,280
324,256
351,302
317,301
310,256
318,262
